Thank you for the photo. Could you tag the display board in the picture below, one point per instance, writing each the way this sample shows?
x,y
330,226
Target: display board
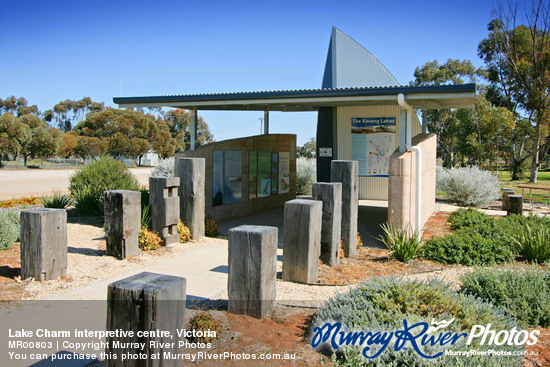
x,y
284,172
274,173
372,143
252,174
233,169
264,174
217,177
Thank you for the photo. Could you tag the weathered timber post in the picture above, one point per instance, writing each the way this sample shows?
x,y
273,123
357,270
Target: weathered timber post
x,y
505,200
331,196
146,302
252,270
346,172
122,223
165,209
43,243
515,204
302,240
191,172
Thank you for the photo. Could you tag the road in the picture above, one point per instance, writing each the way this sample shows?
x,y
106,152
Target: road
x,y
41,182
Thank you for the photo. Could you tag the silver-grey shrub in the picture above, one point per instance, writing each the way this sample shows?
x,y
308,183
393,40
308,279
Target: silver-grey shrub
x,y
468,186
164,169
9,228
306,172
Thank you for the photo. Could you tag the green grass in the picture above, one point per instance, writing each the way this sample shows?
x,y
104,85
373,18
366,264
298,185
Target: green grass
x,y
504,178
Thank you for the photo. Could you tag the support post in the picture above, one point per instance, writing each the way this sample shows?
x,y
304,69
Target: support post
x,y
191,172
252,271
424,121
146,302
266,122
402,131
515,205
193,129
43,243
347,172
302,240
122,223
331,196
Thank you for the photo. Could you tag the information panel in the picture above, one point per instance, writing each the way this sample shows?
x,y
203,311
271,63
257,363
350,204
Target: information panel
x,y
372,143
233,176
264,174
217,177
274,173
284,172
252,175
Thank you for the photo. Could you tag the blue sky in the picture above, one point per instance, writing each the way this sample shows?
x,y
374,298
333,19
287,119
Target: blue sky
x,y
57,50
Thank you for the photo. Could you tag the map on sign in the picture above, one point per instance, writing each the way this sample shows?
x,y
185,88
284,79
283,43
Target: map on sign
x,y
372,143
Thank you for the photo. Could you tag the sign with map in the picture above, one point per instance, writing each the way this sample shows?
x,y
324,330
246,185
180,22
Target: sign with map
x,y
372,143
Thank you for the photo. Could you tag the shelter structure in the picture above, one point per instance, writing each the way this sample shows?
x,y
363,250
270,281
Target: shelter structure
x,y
364,114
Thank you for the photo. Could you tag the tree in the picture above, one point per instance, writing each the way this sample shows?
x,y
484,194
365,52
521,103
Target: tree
x,y
447,124
18,106
14,135
308,150
44,140
66,114
179,122
68,144
518,61
90,147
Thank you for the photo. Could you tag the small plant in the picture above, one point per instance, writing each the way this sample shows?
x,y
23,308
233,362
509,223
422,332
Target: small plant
x,y
148,240
523,292
534,243
9,229
57,200
164,169
402,242
468,185
210,227
468,218
342,252
146,219
89,183
305,175
203,321
21,201
184,232
359,241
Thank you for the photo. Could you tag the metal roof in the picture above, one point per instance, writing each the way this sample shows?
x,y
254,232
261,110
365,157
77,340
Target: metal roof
x,y
444,96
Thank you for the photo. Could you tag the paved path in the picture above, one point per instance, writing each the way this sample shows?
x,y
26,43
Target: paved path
x,y
40,182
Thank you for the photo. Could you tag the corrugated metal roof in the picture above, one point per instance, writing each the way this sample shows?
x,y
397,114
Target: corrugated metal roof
x,y
296,94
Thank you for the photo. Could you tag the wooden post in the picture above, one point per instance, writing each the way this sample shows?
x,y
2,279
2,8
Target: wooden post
x,y
515,204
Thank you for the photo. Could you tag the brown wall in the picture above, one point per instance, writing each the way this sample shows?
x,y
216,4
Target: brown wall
x,y
269,143
402,183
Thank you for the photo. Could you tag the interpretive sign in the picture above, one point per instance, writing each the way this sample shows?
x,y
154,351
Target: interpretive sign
x,y
264,174
233,176
217,177
372,143
274,173
284,172
252,175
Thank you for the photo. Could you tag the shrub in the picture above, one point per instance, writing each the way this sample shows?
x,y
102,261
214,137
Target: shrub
x,y
57,200
468,246
88,184
469,186
523,292
148,240
164,169
9,229
468,218
402,243
19,202
210,227
184,232
203,321
381,304
359,241
305,175
146,218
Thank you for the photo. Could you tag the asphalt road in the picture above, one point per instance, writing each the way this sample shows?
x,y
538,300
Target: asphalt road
x,y
41,182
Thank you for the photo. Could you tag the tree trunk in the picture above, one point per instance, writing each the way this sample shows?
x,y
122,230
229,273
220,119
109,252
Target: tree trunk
x,y
25,160
535,157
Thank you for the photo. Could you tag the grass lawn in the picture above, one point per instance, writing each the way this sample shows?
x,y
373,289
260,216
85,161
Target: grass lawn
x,y
543,180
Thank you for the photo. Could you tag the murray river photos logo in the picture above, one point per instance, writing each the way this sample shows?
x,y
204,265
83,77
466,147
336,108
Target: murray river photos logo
x,y
417,335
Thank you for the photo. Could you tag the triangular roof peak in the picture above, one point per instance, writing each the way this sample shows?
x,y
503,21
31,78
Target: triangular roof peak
x,y
349,65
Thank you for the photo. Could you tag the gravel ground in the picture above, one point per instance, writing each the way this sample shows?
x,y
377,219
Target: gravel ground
x,y
88,262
